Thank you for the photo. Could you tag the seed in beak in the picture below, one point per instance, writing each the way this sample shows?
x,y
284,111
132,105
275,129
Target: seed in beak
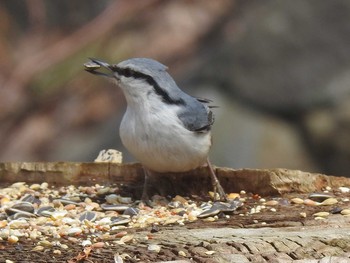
x,y
91,66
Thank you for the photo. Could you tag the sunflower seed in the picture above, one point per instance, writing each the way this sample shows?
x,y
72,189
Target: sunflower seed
x,y
131,211
119,220
107,207
88,215
45,211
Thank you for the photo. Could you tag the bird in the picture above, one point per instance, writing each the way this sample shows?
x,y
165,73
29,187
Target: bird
x,y
164,128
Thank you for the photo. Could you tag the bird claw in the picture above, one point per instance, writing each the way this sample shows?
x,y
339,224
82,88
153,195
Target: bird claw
x,y
219,193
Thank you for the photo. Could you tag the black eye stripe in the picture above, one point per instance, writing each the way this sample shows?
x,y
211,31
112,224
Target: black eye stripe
x,y
127,72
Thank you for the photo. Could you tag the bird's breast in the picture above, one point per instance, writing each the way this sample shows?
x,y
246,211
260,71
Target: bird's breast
x,y
161,143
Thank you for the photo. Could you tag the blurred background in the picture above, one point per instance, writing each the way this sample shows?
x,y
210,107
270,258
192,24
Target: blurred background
x,y
279,70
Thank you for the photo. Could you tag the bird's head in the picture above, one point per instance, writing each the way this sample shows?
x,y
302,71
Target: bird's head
x,y
139,78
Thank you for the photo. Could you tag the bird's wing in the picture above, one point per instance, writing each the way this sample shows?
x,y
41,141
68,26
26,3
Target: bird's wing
x,y
197,116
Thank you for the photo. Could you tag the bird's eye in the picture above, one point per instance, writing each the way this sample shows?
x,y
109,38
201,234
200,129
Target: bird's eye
x,y
127,72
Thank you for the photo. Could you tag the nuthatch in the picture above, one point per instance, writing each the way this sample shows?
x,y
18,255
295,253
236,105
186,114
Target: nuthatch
x,y
166,129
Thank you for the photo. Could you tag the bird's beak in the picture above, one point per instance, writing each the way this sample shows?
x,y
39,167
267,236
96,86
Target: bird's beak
x,y
93,65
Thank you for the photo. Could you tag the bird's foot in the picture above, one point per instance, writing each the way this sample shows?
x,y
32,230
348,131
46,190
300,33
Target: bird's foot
x,y
145,201
219,193
144,198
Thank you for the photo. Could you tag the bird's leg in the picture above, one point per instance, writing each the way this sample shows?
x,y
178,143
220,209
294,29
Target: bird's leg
x,y
144,198
216,184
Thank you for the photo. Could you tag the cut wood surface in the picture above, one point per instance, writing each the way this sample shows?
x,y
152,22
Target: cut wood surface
x,y
262,244
261,181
